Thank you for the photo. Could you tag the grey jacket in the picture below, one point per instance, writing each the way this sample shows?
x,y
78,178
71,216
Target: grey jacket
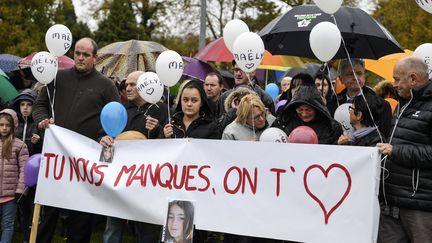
x,y
237,131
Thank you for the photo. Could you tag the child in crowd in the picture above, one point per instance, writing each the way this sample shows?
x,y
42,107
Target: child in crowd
x,y
13,154
27,131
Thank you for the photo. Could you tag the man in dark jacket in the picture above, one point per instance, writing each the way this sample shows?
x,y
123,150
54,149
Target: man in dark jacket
x,y
147,119
213,86
347,75
143,117
75,101
406,198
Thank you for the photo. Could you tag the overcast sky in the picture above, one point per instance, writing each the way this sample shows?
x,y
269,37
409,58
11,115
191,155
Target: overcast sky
x,y
82,16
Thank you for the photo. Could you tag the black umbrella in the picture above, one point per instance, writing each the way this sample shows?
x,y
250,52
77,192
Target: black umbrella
x,y
311,69
364,37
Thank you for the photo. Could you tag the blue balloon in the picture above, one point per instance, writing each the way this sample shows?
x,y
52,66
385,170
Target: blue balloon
x,y
113,118
273,90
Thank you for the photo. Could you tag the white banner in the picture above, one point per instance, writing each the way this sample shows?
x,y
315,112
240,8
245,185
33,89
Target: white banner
x,y
307,193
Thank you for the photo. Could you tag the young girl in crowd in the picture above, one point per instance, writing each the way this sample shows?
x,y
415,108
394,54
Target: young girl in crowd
x,y
193,117
179,222
13,154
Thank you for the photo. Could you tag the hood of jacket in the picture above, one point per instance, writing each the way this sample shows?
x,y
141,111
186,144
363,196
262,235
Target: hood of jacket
x,y
237,93
28,95
13,114
307,94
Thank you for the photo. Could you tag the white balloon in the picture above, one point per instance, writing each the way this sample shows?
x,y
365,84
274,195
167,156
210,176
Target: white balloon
x,y
274,134
329,6
232,30
343,117
44,67
248,51
325,39
425,5
169,67
58,39
424,52
149,87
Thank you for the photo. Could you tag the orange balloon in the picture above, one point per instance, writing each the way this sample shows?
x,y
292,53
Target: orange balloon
x,y
339,86
130,135
393,103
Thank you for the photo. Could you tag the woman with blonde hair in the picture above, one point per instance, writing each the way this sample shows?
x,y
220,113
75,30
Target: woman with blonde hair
x,y
252,119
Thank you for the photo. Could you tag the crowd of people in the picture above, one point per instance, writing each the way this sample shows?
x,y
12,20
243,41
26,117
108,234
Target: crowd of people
x,y
208,110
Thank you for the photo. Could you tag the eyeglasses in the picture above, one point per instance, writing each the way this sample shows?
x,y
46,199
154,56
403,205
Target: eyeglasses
x,y
350,108
260,116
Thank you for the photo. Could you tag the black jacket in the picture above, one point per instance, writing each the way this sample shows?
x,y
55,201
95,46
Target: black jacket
x,y
79,99
137,117
383,121
202,127
26,125
327,129
409,182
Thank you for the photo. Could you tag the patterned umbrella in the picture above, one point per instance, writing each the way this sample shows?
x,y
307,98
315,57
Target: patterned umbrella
x,y
8,62
122,58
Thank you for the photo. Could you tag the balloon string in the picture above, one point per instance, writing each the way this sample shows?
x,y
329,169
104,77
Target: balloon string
x,y
51,100
331,84
169,115
253,126
168,99
253,123
248,76
358,83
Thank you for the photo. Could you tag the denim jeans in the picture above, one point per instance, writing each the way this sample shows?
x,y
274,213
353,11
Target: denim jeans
x,y
7,210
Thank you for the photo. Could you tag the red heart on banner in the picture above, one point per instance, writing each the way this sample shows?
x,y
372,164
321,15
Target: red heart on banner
x,y
326,172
